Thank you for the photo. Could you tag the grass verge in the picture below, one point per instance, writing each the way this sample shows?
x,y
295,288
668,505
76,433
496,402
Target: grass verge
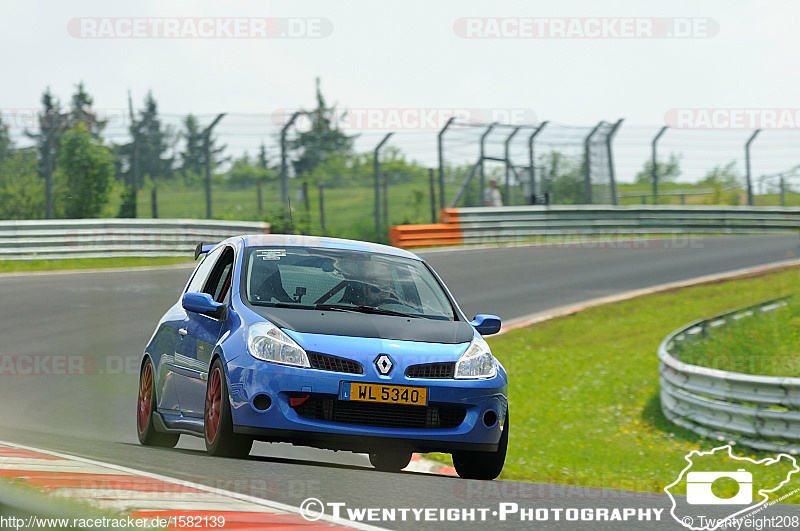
x,y
765,343
18,266
584,391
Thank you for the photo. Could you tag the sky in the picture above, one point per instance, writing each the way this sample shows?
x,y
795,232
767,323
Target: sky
x,y
383,55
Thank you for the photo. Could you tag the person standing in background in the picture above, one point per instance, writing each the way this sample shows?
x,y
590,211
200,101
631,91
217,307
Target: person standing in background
x,y
491,195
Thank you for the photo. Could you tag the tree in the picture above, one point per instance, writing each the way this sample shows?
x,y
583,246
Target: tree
x,y
667,172
21,188
563,178
192,155
721,179
323,140
154,142
81,112
52,123
6,147
86,169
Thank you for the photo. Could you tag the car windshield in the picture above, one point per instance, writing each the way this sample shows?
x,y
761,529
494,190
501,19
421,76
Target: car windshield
x,y
311,278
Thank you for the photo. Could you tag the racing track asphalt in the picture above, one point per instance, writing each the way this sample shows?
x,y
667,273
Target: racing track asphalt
x,y
107,317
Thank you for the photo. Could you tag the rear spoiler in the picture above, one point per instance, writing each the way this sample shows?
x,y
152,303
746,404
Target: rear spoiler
x,y
202,249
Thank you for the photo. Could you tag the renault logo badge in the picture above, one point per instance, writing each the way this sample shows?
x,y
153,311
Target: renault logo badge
x,y
384,364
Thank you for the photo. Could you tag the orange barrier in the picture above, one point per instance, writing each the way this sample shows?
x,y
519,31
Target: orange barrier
x,y
425,235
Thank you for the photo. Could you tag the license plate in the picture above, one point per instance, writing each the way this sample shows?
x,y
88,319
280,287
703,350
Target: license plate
x,y
392,394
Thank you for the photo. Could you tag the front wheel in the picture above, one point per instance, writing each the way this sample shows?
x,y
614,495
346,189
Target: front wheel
x,y
390,460
483,465
218,424
145,409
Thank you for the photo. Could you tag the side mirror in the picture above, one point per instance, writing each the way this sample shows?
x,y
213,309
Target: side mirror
x,y
202,303
486,325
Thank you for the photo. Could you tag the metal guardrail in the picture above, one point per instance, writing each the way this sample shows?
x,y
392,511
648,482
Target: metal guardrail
x,y
508,224
99,238
761,412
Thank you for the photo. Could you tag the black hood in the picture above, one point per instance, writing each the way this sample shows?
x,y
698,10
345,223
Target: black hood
x,y
336,323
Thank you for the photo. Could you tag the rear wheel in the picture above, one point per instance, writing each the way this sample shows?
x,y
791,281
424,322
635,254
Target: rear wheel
x,y
218,424
146,406
483,465
390,460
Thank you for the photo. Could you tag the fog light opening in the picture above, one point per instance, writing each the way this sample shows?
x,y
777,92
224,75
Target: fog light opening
x,y
262,402
490,418
298,400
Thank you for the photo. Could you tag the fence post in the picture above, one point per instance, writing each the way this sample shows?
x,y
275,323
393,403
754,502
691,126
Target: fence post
x,y
259,197
377,171
507,155
654,162
783,192
482,174
154,202
440,149
610,153
433,194
532,158
206,135
322,206
750,198
587,165
284,164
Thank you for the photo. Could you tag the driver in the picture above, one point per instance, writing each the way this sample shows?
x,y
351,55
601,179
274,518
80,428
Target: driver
x,y
376,284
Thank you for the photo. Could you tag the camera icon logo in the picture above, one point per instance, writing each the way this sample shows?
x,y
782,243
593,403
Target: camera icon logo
x,y
698,488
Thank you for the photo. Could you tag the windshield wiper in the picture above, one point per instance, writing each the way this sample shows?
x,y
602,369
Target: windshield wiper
x,y
363,308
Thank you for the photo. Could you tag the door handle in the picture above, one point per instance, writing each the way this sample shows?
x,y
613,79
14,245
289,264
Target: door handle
x,y
183,331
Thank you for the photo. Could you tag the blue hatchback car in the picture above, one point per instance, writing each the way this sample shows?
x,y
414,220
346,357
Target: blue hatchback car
x,y
329,343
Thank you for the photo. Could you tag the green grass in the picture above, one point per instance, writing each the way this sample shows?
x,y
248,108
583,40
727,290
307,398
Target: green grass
x,y
584,391
15,266
764,343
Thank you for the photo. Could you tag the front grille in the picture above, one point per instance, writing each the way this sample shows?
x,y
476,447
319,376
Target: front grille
x,y
380,415
431,370
325,362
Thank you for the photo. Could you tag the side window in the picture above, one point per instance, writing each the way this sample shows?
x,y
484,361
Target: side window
x,y
201,273
219,281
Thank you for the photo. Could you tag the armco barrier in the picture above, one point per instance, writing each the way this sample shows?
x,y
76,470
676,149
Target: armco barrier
x,y
761,412
508,224
95,238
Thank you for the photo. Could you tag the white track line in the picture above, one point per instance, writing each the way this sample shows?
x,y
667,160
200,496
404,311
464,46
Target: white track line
x,y
277,506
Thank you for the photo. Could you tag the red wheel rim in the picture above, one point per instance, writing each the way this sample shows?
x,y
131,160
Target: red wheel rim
x,y
145,397
213,405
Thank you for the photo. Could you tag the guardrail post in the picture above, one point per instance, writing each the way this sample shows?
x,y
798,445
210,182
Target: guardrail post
x,y
284,164
377,172
482,174
610,152
440,150
532,159
206,136
654,162
507,155
750,198
587,165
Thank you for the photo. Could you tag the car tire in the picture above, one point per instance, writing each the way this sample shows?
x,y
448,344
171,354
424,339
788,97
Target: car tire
x,y
220,439
483,465
145,410
390,460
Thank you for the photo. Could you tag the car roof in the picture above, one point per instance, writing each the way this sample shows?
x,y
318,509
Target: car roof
x,y
322,242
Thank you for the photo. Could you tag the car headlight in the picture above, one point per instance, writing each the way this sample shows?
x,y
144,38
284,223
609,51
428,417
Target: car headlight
x,y
477,361
267,342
